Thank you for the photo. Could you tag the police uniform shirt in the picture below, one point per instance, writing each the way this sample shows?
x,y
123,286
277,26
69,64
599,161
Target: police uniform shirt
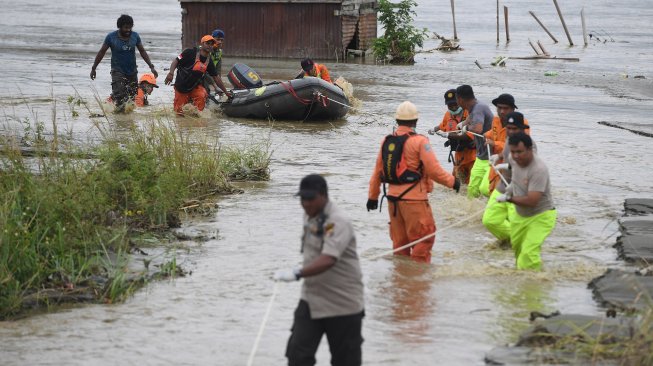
x,y
337,291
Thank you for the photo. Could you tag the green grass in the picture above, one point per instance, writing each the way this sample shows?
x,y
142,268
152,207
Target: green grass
x,y
60,216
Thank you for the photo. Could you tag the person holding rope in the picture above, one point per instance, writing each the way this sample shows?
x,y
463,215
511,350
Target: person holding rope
x,y
462,145
124,72
191,65
216,59
496,217
332,293
310,68
408,164
530,192
479,122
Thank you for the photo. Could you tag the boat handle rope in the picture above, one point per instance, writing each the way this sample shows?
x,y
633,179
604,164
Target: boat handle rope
x,y
291,91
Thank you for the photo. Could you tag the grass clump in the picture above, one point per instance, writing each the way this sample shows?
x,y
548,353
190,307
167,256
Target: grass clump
x,y
65,222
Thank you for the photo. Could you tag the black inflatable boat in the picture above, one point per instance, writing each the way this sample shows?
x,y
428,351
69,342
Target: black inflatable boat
x,y
301,99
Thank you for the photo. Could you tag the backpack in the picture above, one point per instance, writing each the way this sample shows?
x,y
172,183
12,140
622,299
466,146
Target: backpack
x,y
395,169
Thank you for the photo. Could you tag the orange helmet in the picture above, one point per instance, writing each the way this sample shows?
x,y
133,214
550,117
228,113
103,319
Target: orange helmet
x,y
148,78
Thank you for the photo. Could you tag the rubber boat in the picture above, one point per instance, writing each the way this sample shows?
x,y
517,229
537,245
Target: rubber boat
x,y
306,99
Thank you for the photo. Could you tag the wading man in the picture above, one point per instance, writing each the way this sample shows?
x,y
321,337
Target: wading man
x,y
530,191
216,58
497,215
479,122
408,165
461,145
191,65
332,293
123,43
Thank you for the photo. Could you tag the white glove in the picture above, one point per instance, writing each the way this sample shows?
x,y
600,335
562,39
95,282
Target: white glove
x,y
287,275
494,159
463,130
442,134
503,197
459,126
502,166
431,132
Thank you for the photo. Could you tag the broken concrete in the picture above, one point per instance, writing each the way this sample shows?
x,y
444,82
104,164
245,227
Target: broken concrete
x,y
622,290
638,206
636,249
640,225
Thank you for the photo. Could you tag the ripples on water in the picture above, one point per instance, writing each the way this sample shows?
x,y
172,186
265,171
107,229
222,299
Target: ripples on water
x,y
451,312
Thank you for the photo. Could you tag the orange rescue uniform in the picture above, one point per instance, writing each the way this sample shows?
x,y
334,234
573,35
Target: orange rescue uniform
x,y
321,72
140,98
464,159
498,134
411,217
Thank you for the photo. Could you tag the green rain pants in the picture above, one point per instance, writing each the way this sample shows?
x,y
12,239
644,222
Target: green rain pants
x,y
527,235
485,184
480,169
497,216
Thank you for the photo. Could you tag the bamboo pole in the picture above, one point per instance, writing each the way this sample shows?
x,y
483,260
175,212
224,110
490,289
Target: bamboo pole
x,y
537,52
564,25
479,65
505,16
582,19
542,48
543,57
497,21
543,27
453,13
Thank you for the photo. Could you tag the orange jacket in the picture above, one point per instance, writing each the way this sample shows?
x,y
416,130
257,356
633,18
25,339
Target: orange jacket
x,y
140,98
450,122
500,137
417,149
321,72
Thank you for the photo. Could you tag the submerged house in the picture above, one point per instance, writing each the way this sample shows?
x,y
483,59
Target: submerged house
x,y
323,29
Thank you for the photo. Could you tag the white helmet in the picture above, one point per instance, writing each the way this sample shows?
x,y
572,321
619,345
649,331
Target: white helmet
x,y
406,112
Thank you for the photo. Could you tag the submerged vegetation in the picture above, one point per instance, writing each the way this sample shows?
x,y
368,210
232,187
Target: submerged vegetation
x,y
66,222
400,37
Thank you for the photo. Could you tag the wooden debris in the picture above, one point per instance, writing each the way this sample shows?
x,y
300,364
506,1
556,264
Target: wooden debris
x,y
543,27
562,20
545,57
479,65
505,15
446,44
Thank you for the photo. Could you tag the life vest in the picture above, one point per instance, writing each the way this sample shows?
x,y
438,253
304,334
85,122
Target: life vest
x,y
195,73
216,57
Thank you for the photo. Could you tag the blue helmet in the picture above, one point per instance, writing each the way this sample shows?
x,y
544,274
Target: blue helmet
x,y
218,33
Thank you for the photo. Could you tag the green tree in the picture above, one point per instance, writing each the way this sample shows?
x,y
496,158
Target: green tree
x,y
400,38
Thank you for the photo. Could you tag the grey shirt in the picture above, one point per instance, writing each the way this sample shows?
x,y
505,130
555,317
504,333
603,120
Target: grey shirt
x,y
501,187
481,114
532,178
337,291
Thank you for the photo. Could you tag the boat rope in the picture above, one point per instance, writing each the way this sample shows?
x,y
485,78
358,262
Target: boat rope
x,y
291,91
426,237
250,361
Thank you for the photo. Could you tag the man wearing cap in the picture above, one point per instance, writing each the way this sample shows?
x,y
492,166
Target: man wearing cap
x,y
146,85
216,58
462,145
479,122
310,68
496,138
331,299
191,65
497,215
411,217
530,192
124,72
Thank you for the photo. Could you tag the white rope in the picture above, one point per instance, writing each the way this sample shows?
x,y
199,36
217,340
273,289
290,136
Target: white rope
x,y
489,153
250,361
427,236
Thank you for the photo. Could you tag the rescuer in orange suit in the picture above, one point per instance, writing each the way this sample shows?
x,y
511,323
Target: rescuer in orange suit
x,y
310,68
462,145
408,164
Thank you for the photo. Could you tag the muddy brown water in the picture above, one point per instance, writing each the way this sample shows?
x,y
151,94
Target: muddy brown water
x,y
452,312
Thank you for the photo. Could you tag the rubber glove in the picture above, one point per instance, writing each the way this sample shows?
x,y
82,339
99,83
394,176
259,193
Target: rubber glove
x,y
287,275
463,130
442,134
503,198
494,159
502,166
372,205
431,132
456,185
459,126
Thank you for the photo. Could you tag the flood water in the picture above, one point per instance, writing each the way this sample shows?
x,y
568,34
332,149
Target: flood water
x,y
451,312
